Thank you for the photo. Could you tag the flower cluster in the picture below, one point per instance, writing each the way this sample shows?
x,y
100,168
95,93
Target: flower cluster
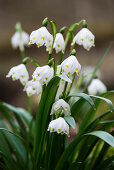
x,y
42,37
42,75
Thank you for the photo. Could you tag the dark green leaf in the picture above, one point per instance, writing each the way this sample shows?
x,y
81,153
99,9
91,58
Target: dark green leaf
x,y
84,96
104,136
70,120
106,100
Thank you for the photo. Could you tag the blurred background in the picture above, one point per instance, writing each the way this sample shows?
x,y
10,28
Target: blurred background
x,y
100,18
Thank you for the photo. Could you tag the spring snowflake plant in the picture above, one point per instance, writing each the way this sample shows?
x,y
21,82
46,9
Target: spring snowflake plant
x,y
41,142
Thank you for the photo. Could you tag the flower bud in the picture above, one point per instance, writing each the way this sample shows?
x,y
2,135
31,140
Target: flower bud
x,y
33,87
43,74
84,37
61,106
59,125
19,72
96,87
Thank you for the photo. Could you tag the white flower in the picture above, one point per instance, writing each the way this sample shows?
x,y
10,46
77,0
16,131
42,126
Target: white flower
x,y
59,125
19,72
41,37
61,106
84,37
19,39
59,43
33,87
70,66
96,86
49,42
43,74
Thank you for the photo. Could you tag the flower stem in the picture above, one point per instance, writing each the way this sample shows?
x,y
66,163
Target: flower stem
x,y
29,104
73,77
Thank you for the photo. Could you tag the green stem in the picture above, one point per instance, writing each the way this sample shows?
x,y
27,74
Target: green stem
x,y
73,77
22,51
64,91
29,104
61,58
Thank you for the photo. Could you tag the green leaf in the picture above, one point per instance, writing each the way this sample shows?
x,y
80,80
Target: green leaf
x,y
108,138
20,112
65,78
70,120
43,116
84,96
106,100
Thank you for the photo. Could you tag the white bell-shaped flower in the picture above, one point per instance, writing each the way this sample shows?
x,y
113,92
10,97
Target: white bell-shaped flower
x,y
33,87
49,42
41,37
59,43
19,72
59,125
96,87
19,39
84,37
70,66
61,106
43,74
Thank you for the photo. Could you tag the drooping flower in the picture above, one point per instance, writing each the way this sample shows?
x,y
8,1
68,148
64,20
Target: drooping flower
x,y
43,74
49,42
96,86
84,37
41,37
19,72
59,43
61,107
19,39
33,87
59,125
70,66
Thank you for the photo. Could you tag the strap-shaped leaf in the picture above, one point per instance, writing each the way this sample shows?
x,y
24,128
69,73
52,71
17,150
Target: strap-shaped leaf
x,y
106,100
43,114
70,120
108,138
84,96
19,111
